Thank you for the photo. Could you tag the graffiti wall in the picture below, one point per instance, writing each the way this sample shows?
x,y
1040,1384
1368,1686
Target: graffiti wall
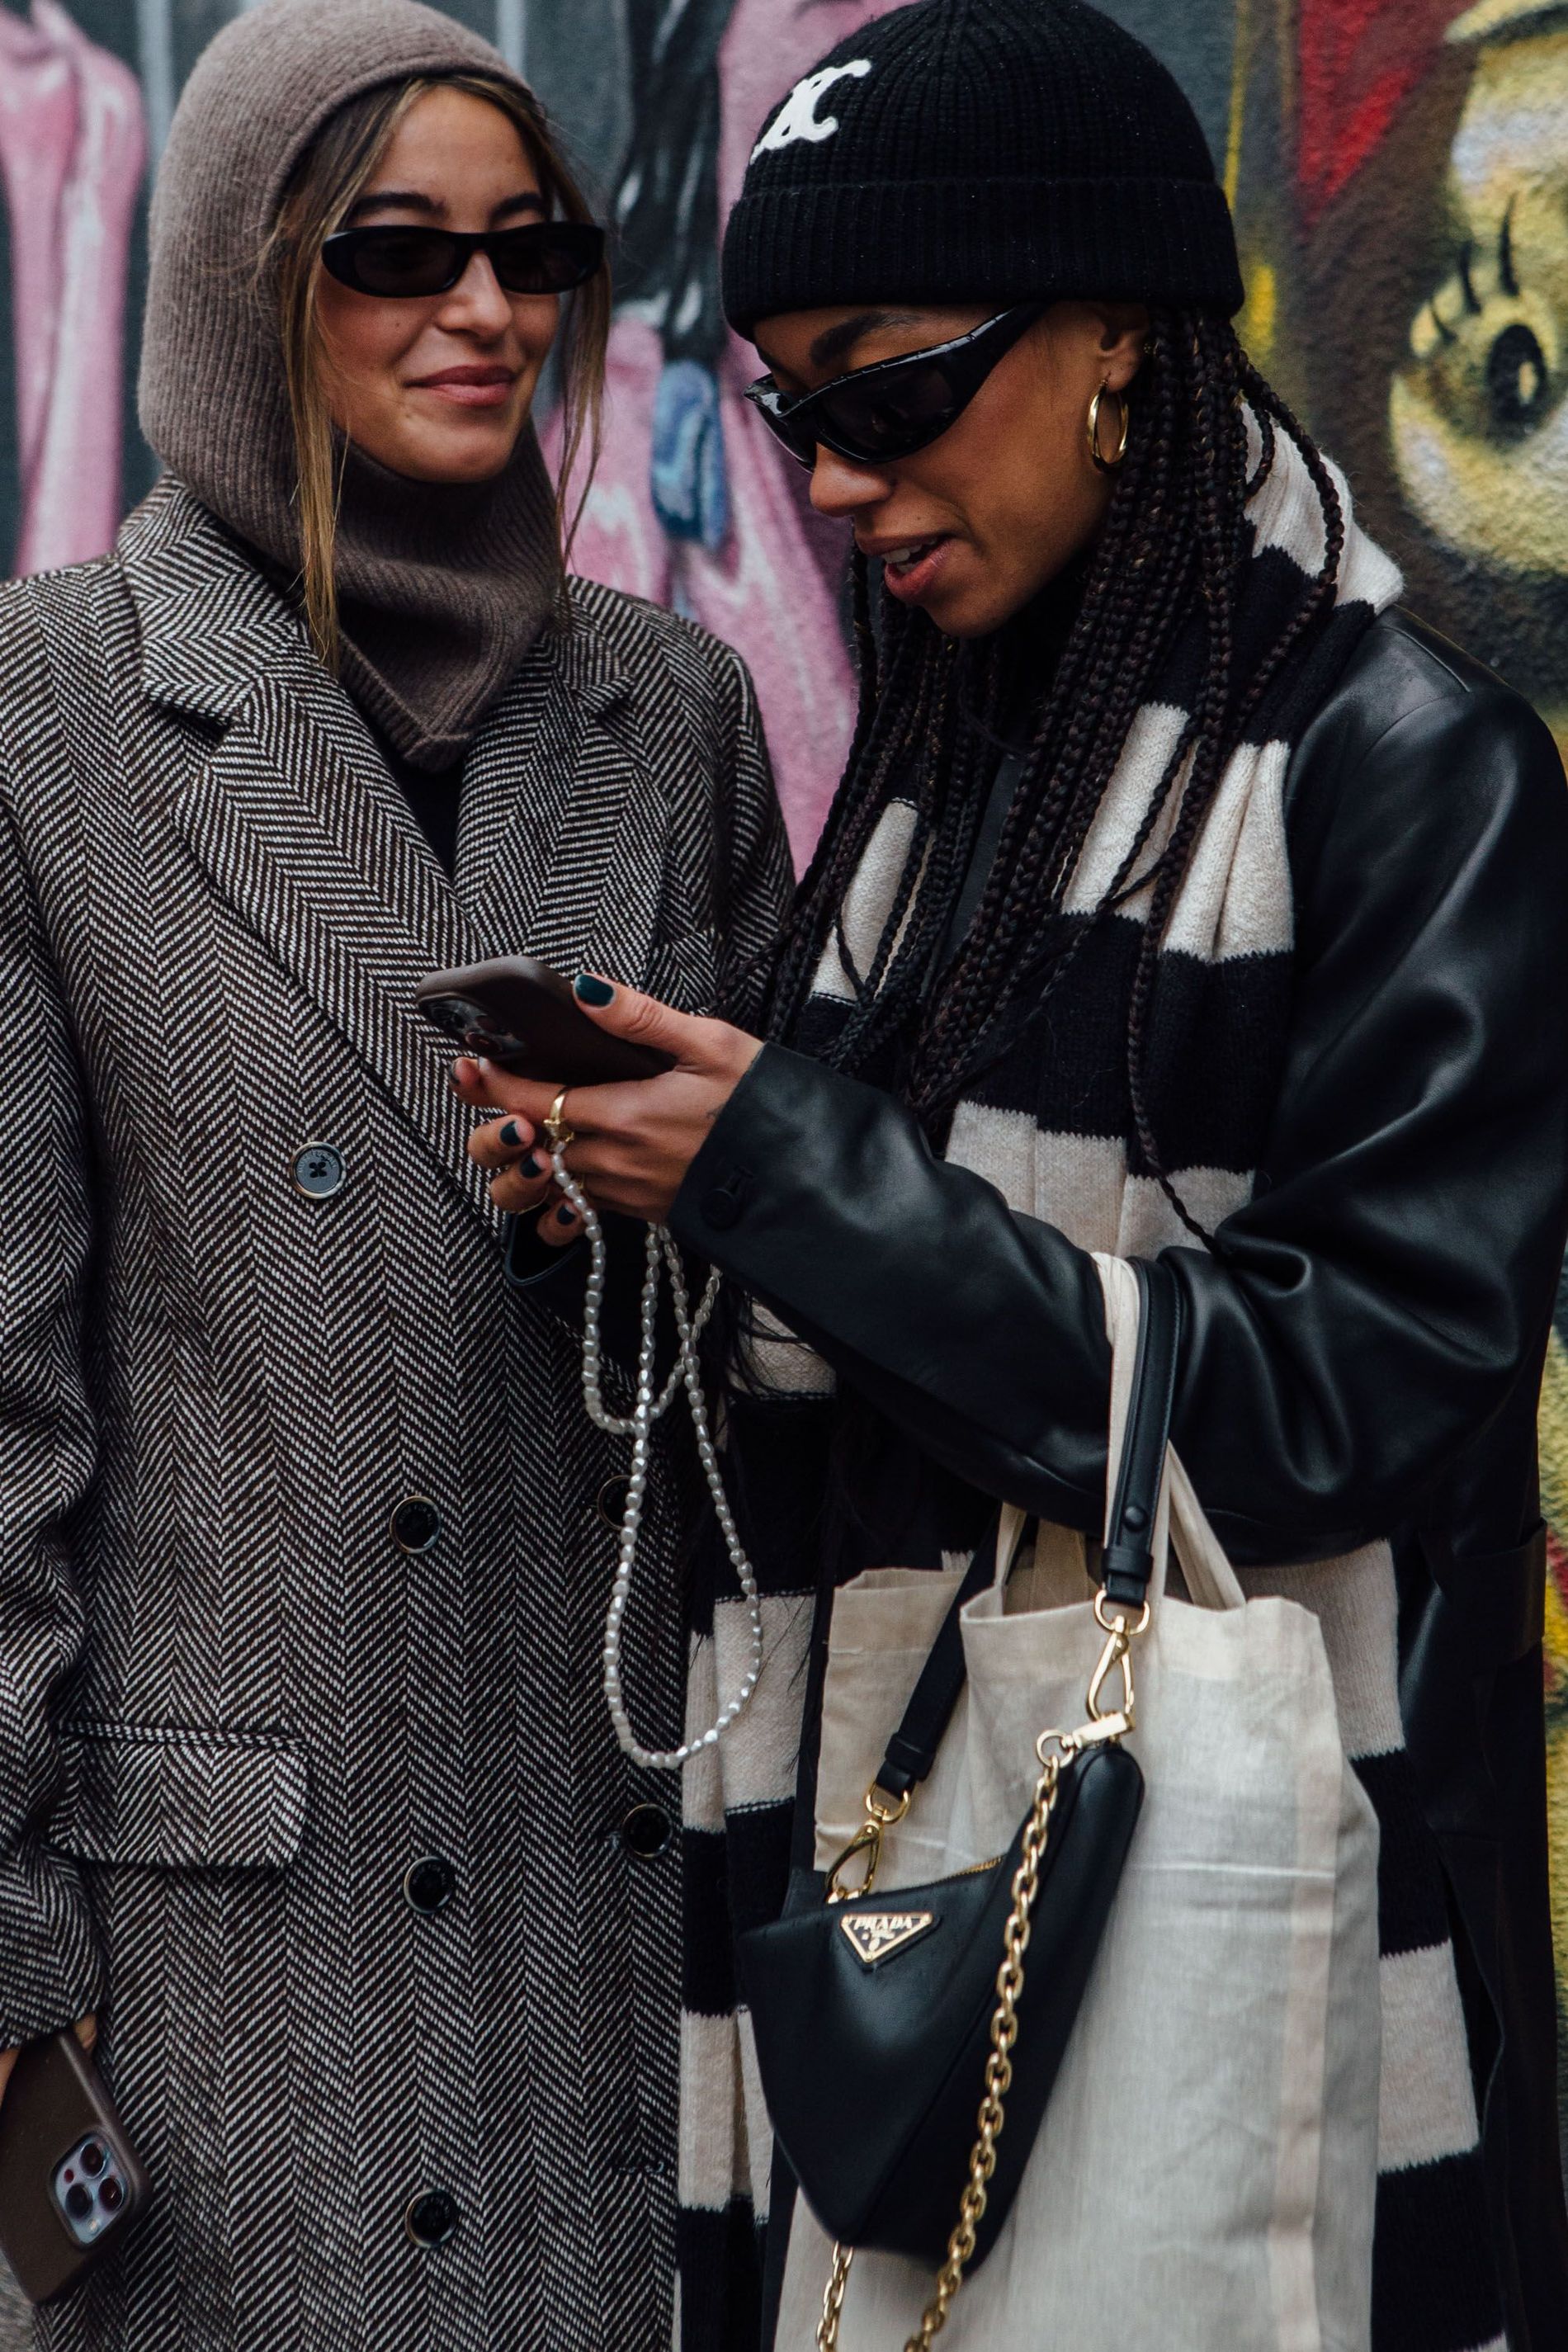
x,y
1400,173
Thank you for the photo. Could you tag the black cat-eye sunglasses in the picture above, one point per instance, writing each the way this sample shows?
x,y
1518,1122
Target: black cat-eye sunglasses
x,y
403,263
877,414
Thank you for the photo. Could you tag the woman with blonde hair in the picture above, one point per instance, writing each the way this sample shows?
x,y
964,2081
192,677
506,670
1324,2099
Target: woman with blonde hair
x,y
307,1792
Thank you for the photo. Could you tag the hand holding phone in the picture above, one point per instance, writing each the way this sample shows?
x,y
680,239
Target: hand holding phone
x,y
630,1146
517,1013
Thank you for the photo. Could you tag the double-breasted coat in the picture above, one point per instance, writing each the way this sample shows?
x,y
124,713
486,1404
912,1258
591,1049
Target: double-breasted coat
x,y
306,1784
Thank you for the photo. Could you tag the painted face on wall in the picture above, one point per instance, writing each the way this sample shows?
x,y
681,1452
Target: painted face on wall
x,y
1478,414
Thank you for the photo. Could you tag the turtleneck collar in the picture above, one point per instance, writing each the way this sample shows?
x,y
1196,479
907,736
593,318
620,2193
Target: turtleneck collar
x,y
442,589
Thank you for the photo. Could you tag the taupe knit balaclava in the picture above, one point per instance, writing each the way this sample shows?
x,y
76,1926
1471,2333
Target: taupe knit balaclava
x,y
442,588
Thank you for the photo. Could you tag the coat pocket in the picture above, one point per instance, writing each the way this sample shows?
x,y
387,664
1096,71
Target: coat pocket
x,y
170,1796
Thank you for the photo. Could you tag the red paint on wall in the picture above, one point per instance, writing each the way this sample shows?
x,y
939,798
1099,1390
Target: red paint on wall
x,y
1359,60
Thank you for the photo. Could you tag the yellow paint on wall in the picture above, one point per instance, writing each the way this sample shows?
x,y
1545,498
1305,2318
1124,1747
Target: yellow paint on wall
x,y
1240,67
1557,1800
1553,1430
1555,1504
1256,323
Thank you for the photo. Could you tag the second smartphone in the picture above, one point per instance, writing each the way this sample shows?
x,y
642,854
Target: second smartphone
x,y
71,2186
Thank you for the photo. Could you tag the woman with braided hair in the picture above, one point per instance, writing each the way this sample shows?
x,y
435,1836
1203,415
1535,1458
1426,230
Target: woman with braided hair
x,y
1183,897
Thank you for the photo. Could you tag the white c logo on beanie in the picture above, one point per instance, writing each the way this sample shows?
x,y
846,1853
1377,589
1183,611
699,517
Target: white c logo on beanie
x,y
797,117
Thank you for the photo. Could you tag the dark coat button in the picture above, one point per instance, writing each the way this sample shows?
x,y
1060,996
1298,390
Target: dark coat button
x,y
611,1500
415,1523
721,1204
432,2217
319,1171
645,1833
429,1884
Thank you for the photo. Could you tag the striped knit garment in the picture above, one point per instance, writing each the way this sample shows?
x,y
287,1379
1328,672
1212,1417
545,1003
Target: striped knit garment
x,y
1048,1127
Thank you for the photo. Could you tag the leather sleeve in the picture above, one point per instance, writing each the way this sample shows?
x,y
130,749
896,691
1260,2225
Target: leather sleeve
x,y
1372,1310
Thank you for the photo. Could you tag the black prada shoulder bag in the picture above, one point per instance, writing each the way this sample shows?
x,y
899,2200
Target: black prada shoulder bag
x,y
897,2034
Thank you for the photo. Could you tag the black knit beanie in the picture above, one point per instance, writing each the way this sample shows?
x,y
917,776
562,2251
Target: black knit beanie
x,y
982,151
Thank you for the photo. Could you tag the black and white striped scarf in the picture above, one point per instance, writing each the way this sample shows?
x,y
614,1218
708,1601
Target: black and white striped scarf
x,y
1049,1125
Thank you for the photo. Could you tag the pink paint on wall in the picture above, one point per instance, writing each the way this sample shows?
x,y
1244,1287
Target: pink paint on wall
x,y
72,150
773,587
764,590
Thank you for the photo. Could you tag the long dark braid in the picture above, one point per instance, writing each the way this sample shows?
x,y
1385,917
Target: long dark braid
x,y
929,710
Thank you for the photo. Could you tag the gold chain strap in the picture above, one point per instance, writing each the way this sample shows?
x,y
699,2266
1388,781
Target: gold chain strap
x,y
833,2300
999,2066
1052,1747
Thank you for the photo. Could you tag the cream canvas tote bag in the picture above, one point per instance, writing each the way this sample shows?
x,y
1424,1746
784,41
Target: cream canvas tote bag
x,y
1204,2178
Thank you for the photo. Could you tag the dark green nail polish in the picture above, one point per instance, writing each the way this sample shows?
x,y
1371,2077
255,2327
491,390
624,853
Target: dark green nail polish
x,y
511,1133
589,990
530,1166
563,1214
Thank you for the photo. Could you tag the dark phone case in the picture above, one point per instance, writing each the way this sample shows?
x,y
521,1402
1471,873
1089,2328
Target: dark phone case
x,y
53,2099
533,1025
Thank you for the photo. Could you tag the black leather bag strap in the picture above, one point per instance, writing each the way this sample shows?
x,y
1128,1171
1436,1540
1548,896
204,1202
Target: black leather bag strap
x,y
911,1751
1128,1563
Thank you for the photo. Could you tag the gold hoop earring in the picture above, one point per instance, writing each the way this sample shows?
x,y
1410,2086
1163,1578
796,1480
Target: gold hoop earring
x,y
1103,463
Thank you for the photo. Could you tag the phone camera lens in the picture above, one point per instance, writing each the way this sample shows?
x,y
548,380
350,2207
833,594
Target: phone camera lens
x,y
92,2160
112,2194
79,2202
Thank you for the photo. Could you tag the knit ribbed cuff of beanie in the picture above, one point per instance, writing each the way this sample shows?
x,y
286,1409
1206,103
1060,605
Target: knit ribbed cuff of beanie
x,y
1000,241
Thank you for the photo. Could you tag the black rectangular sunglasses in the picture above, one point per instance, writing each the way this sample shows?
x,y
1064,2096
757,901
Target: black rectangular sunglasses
x,y
876,413
402,263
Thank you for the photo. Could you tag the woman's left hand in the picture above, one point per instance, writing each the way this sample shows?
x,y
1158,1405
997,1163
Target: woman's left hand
x,y
633,1141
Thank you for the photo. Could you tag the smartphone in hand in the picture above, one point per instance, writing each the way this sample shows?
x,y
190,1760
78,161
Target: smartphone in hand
x,y
518,1014
69,2184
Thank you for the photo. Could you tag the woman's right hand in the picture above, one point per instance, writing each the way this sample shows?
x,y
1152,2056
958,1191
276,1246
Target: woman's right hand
x,y
86,2033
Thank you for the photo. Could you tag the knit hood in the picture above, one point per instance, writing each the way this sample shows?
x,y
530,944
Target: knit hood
x,y
442,588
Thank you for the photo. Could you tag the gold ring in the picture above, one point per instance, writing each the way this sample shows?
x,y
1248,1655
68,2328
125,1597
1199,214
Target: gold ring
x,y
555,1127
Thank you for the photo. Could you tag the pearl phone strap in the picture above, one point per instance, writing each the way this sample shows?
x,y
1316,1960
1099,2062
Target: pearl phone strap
x,y
637,1425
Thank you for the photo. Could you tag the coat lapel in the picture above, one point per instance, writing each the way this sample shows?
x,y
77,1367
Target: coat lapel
x,y
295,821
299,840
565,830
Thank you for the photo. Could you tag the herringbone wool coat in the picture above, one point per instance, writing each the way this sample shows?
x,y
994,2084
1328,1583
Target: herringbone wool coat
x,y
234,1708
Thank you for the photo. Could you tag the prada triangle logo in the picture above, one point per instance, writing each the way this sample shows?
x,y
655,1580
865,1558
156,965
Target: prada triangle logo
x,y
876,1936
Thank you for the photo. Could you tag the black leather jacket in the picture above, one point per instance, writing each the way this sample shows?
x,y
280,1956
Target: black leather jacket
x,y
1364,1353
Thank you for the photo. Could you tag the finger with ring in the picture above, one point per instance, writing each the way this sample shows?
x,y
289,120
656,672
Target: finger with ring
x,y
555,1126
